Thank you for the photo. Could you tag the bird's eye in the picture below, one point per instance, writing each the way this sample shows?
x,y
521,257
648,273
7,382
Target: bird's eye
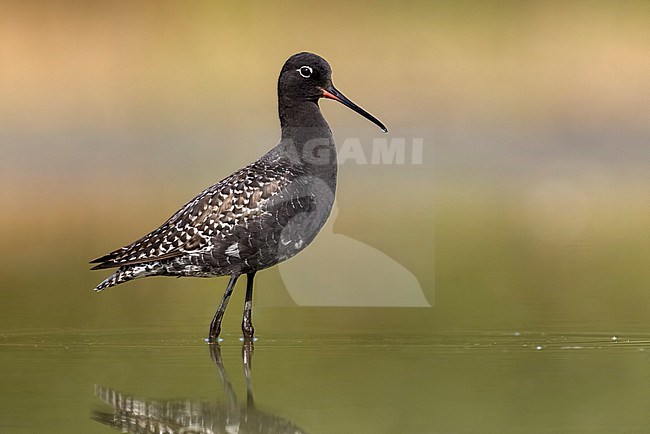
x,y
305,71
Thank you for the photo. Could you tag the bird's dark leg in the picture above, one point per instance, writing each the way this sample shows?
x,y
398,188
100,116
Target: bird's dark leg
x,y
247,323
215,325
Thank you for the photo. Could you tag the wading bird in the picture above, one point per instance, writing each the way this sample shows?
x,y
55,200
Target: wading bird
x,y
260,215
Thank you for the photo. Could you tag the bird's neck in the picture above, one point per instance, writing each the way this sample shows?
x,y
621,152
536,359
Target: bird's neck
x,y
302,121
308,139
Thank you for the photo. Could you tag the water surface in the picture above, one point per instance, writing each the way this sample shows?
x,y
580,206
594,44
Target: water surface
x,y
74,381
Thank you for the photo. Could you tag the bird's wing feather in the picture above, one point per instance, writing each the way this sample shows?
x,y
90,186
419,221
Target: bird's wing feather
x,y
218,208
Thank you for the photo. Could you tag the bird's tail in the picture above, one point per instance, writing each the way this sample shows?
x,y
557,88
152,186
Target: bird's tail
x,y
126,273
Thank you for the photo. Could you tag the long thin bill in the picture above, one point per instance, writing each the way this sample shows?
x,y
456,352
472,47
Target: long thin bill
x,y
334,94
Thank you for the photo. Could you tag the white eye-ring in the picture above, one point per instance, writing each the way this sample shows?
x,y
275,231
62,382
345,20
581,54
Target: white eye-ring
x,y
305,71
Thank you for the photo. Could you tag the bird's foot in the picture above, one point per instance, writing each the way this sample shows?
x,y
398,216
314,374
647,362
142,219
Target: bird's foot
x,y
249,333
247,329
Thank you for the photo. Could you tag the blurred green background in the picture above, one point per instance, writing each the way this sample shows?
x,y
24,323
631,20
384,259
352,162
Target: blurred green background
x,y
529,214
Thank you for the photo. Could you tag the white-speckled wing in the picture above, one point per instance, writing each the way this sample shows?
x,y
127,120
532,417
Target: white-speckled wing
x,y
234,202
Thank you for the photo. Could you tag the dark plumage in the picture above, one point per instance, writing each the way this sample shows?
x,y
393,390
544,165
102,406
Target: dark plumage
x,y
260,215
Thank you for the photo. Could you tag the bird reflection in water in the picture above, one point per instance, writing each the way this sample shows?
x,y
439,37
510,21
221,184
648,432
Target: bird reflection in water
x,y
143,415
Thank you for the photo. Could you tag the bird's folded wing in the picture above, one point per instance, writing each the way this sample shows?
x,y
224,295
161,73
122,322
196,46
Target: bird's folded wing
x,y
217,209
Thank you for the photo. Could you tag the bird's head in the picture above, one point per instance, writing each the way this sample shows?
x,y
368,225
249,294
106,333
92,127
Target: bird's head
x,y
308,77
